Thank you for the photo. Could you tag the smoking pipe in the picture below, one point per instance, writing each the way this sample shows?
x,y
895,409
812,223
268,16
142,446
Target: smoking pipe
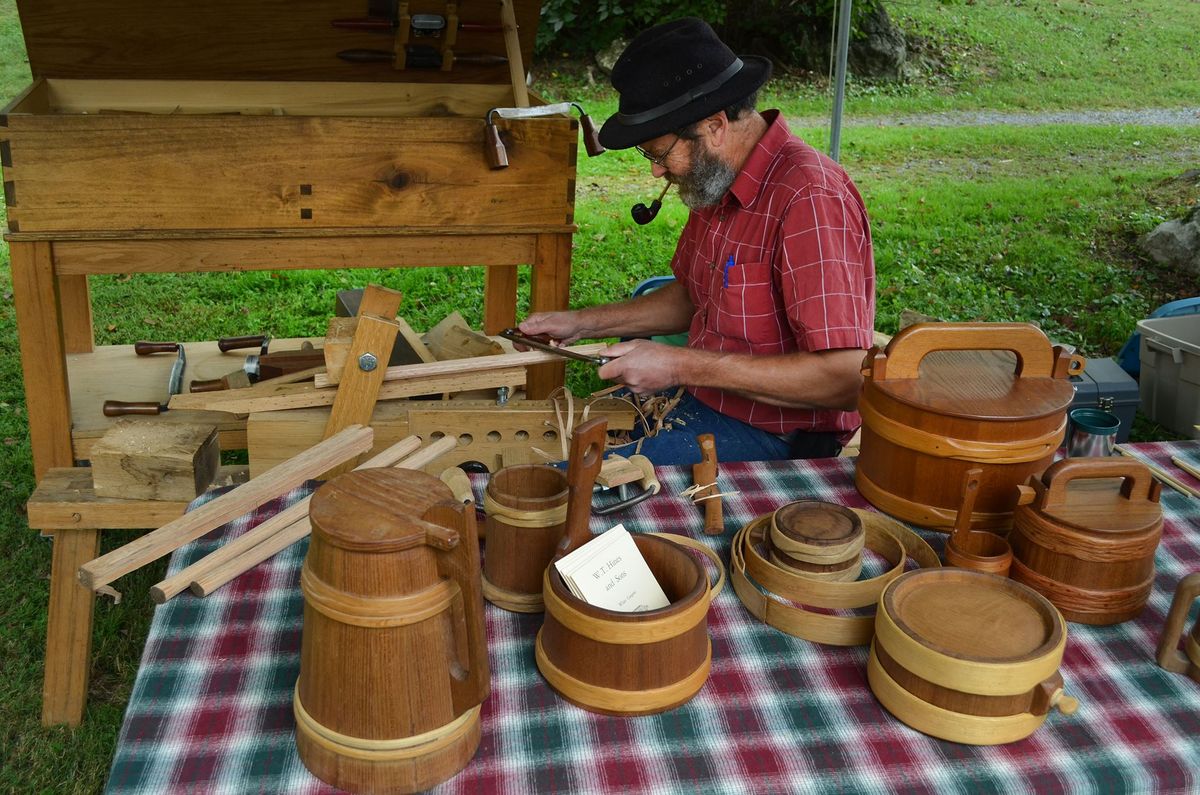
x,y
643,214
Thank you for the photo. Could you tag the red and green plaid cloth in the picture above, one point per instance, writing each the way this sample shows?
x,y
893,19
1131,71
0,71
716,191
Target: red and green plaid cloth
x,y
211,710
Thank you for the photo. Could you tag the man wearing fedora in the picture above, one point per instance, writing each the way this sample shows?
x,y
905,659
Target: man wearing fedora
x,y
774,271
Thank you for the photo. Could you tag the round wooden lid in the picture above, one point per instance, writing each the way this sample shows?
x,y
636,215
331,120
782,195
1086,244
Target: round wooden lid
x,y
1098,507
971,615
376,510
976,385
819,524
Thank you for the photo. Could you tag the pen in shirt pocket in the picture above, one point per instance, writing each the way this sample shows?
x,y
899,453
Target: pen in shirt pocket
x,y
728,265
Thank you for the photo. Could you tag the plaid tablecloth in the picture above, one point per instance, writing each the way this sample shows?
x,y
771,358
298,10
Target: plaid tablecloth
x,y
211,710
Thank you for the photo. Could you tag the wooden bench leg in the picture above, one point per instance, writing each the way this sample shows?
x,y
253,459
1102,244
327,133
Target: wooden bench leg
x,y
549,290
69,629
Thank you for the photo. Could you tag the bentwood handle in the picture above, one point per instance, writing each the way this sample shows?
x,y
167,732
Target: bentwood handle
x,y
903,356
1138,484
120,408
469,672
144,348
1169,656
587,454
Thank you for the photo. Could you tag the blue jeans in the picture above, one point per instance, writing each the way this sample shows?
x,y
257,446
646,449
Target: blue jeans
x,y
736,440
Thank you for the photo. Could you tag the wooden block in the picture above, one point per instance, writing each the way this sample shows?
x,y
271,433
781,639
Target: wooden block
x,y
339,338
382,301
153,461
617,471
452,338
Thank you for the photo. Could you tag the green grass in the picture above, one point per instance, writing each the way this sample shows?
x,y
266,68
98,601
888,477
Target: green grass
x,y
995,223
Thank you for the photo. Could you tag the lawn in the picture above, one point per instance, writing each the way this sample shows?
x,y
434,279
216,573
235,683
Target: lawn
x,y
993,223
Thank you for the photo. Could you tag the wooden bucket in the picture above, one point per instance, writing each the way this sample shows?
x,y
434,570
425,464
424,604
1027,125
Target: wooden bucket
x,y
1089,549
817,539
526,509
941,400
967,656
1186,662
393,661
623,663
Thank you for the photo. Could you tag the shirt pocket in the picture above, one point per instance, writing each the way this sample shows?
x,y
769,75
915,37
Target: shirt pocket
x,y
748,307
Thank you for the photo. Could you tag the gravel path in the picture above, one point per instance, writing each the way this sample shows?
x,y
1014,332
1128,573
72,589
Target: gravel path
x,y
1152,117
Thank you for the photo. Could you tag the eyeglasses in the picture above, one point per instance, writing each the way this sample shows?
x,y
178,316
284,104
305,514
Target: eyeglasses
x,y
658,160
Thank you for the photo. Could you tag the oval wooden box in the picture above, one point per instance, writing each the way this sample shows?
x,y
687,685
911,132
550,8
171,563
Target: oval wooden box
x,y
526,515
926,425
817,539
1089,549
393,660
630,663
967,656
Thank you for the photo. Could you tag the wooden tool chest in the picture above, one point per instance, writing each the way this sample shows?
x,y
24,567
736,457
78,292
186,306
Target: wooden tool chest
x,y
175,136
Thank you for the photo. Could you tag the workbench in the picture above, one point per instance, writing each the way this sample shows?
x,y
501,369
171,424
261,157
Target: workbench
x,y
211,710
179,137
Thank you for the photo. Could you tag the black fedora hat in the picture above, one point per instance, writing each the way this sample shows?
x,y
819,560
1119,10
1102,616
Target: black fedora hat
x,y
672,75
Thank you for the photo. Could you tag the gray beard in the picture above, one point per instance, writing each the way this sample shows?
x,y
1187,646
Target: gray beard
x,y
707,181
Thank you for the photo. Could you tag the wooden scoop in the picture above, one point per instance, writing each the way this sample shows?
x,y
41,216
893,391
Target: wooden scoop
x,y
975,549
587,454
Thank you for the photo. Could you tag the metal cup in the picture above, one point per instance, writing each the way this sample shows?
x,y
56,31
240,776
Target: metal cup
x,y
1093,433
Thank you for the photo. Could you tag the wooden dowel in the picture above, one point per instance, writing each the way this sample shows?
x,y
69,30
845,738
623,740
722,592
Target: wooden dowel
x,y
275,481
217,576
705,474
472,364
1185,466
1160,474
165,589
512,48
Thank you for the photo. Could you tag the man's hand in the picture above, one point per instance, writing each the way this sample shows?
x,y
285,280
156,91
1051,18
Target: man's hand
x,y
643,366
562,327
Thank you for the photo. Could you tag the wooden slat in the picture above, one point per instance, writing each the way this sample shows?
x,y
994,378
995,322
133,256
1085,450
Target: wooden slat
x,y
371,172
475,364
232,504
299,396
48,400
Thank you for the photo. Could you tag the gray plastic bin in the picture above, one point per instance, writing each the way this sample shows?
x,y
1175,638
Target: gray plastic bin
x,y
1170,380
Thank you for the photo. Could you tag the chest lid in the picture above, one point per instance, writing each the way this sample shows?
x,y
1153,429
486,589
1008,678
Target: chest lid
x,y
272,40
1098,496
985,371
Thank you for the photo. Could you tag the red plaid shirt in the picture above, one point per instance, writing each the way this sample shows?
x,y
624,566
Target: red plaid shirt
x,y
782,264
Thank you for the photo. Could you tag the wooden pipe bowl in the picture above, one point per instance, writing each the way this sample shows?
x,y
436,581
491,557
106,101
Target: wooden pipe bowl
x,y
630,663
393,661
966,656
519,549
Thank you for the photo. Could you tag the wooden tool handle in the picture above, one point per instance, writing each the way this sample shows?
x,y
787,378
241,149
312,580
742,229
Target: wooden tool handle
x,y
121,408
238,343
904,354
211,385
586,457
469,671
144,348
1169,657
1139,483
705,474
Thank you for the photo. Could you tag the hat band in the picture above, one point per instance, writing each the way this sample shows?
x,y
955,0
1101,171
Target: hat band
x,y
696,93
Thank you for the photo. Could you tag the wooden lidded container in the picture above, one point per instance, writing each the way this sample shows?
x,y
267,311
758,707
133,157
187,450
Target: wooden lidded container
x,y
818,539
942,399
619,663
1089,549
967,656
526,507
393,660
